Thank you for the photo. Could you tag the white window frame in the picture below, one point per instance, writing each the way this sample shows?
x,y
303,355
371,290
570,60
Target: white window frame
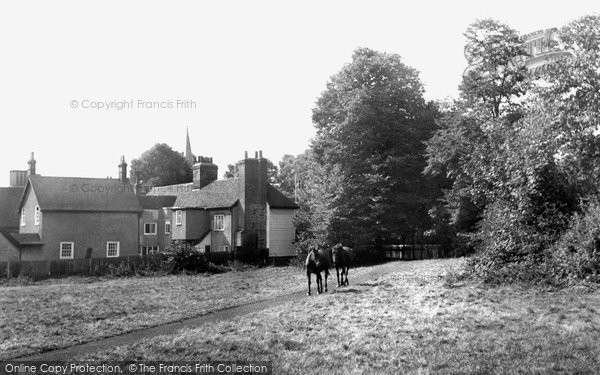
x,y
150,233
37,215
60,249
108,243
219,218
149,250
178,217
168,225
23,216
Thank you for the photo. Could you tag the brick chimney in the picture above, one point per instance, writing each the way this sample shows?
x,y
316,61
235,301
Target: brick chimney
x,y
204,172
123,170
253,198
31,162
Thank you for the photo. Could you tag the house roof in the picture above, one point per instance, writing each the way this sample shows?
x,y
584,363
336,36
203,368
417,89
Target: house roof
x,y
276,199
9,206
9,237
217,194
27,238
154,202
82,194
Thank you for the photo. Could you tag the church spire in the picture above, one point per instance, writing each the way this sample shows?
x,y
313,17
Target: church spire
x,y
189,157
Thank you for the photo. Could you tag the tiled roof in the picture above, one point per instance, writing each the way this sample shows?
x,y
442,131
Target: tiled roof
x,y
27,238
149,202
218,194
276,199
83,194
9,237
9,205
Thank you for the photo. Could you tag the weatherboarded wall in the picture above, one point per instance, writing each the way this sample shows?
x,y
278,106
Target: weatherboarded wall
x,y
280,228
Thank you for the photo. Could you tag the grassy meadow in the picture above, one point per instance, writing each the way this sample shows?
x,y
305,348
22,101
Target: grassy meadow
x,y
409,322
58,313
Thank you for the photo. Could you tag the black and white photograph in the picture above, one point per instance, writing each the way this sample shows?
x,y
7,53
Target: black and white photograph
x,y
299,187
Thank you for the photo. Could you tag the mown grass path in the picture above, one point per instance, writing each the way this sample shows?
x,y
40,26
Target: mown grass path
x,y
231,297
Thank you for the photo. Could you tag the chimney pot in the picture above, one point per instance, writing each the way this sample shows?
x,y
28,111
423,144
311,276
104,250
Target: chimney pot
x,y
123,170
260,154
31,162
245,154
255,154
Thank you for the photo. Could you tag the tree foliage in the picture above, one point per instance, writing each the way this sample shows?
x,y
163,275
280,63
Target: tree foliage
x,y
496,73
160,166
530,166
371,122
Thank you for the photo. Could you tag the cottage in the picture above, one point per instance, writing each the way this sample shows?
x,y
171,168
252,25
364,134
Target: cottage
x,y
51,218
246,213
74,218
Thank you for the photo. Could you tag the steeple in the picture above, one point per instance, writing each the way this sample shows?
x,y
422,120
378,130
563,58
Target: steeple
x,y
189,157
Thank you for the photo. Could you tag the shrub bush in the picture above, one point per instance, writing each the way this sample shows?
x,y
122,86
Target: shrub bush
x,y
511,246
577,254
180,256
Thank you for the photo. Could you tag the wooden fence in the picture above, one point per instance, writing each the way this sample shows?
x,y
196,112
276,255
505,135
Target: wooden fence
x,y
416,252
39,270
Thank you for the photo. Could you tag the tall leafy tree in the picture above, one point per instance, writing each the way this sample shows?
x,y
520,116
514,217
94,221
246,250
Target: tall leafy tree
x,y
315,189
371,123
496,74
160,166
466,148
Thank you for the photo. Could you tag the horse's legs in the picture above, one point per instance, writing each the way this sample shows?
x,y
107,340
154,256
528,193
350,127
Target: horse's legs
x,y
337,271
347,269
308,276
319,283
326,276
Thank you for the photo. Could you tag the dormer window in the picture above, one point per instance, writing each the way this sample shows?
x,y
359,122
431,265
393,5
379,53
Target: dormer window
x,y
37,215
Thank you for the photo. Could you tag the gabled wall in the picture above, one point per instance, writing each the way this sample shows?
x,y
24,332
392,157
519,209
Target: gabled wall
x,y
220,239
194,224
29,207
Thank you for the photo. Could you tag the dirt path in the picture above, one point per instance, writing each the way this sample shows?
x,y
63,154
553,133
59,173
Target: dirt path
x,y
215,316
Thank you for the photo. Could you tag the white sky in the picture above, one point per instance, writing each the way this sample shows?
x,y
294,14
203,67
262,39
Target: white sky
x,y
254,68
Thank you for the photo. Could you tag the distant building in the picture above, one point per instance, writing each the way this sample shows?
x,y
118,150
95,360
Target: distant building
x,y
244,213
51,218
155,223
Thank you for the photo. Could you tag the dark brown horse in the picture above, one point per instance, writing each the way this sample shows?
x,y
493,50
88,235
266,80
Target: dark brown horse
x,y
342,258
317,261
